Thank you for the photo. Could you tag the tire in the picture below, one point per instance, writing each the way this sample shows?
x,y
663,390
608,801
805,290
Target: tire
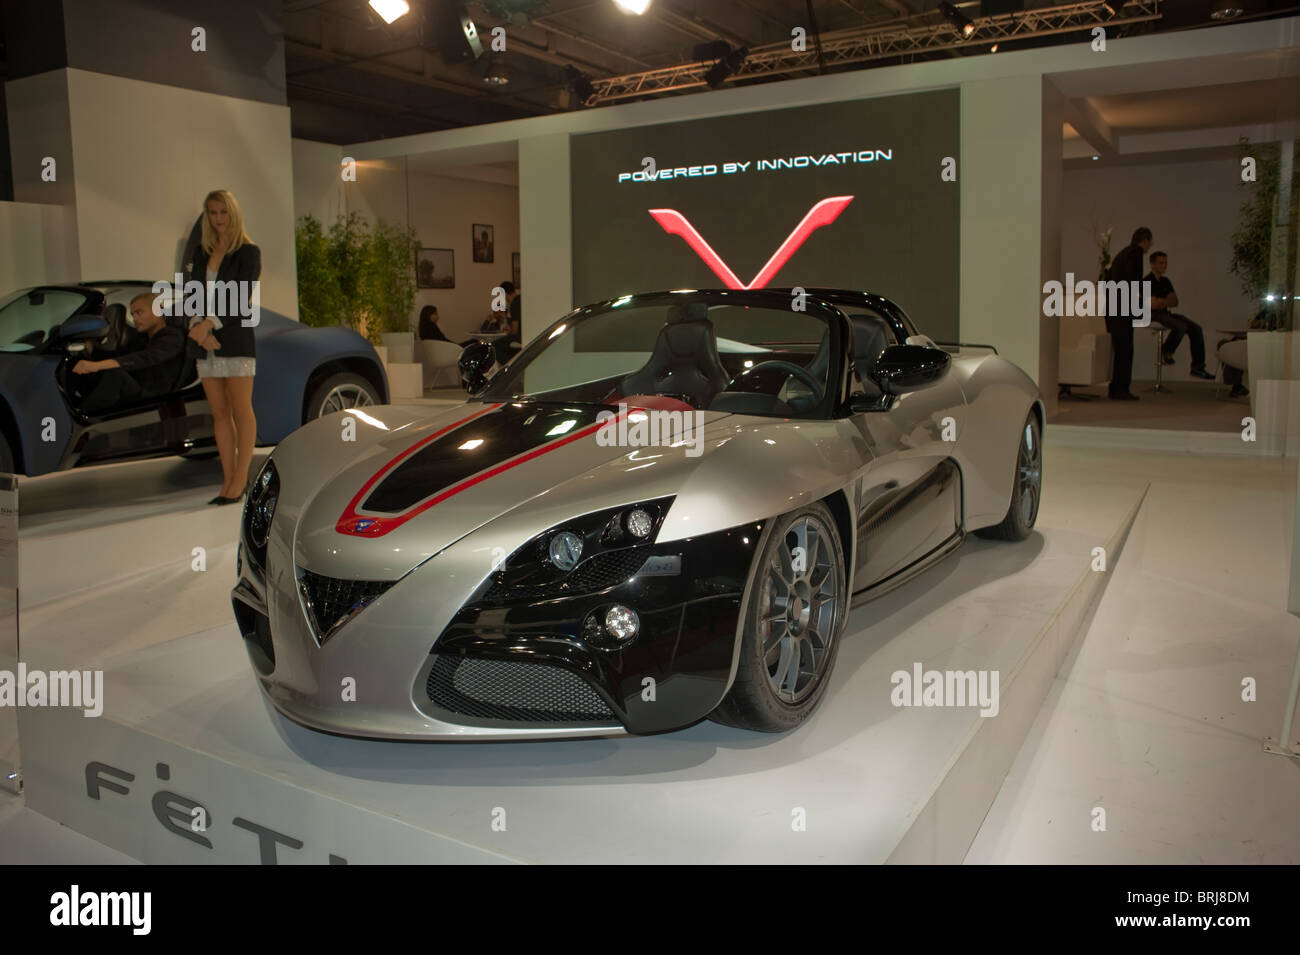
x,y
1027,487
338,393
772,693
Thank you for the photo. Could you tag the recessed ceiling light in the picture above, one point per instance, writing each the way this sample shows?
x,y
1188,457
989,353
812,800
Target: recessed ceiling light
x,y
637,7
390,10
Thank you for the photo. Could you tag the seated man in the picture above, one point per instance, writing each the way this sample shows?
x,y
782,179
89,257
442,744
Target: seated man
x,y
1163,297
508,347
149,370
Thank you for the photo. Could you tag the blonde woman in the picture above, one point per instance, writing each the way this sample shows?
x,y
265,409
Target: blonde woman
x,y
226,254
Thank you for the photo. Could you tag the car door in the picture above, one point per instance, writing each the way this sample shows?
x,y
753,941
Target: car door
x,y
909,499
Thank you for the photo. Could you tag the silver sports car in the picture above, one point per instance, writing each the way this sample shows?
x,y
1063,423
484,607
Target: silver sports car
x,y
660,511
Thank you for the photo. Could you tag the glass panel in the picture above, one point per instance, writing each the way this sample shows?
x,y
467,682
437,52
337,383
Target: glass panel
x,y
28,318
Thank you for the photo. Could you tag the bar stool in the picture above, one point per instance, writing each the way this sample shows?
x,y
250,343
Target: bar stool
x,y
1159,332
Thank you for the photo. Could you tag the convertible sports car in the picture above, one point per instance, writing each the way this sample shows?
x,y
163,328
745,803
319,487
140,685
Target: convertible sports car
x,y
662,509
302,373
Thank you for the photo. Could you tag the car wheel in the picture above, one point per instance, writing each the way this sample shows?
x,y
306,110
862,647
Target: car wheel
x,y
797,608
338,393
1027,489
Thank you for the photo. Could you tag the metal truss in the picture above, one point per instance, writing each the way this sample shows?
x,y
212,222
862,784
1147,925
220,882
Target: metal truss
x,y
860,44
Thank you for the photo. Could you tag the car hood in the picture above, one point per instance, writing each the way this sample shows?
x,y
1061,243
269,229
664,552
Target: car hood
x,y
522,467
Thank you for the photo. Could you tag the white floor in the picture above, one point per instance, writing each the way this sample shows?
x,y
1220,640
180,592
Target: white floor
x,y
1147,720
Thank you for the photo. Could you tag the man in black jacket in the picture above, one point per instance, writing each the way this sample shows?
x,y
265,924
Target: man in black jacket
x,y
1126,267
146,371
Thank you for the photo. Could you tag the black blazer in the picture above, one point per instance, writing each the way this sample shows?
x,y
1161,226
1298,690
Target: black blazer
x,y
243,265
156,363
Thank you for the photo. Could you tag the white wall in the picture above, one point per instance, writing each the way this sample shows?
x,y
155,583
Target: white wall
x,y
135,160
442,211
1191,208
318,187
37,245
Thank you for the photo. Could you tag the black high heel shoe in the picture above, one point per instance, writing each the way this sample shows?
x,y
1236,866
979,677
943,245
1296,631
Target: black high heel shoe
x,y
232,500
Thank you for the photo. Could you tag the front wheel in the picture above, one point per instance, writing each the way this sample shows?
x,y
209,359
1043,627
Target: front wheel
x,y
797,608
339,393
1026,490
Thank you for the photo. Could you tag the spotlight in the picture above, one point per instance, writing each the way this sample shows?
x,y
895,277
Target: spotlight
x,y
636,7
390,10
965,26
1225,10
726,67
1109,8
993,48
579,85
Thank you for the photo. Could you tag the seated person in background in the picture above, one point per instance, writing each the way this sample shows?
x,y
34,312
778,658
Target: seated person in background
x,y
428,328
1232,353
149,370
1163,298
509,346
495,322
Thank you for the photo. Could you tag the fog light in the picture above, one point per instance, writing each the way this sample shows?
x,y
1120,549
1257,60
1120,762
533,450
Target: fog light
x,y
639,523
565,550
621,622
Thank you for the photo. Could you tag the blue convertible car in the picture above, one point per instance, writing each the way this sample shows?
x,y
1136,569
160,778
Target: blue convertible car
x,y
302,373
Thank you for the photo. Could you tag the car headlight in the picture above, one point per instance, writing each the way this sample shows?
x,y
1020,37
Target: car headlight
x,y
587,553
260,506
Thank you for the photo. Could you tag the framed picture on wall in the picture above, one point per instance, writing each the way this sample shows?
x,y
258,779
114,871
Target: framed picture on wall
x,y
435,268
514,270
482,236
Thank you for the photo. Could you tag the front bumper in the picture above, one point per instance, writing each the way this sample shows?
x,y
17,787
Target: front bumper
x,y
441,656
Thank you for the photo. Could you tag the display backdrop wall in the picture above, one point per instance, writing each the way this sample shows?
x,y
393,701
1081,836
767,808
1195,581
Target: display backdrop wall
x,y
1191,206
743,184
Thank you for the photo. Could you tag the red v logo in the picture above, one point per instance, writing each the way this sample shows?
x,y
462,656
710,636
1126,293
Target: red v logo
x,y
824,213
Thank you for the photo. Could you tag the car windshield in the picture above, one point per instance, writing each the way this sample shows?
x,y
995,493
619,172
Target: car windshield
x,y
707,350
28,317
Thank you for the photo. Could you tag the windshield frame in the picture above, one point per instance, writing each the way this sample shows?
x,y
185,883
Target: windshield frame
x,y
504,385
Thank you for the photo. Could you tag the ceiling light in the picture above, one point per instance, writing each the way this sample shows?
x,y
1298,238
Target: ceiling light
x,y
993,48
1225,10
963,23
390,10
636,7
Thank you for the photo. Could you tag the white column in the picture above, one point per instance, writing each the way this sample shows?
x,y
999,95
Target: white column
x,y
545,231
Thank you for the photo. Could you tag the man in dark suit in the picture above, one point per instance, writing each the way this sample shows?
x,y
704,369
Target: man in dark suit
x,y
148,370
1126,267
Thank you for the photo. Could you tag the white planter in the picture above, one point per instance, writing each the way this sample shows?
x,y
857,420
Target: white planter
x,y
405,380
398,338
382,352
1271,356
1277,416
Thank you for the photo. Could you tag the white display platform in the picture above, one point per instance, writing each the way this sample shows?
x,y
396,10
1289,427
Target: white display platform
x,y
873,782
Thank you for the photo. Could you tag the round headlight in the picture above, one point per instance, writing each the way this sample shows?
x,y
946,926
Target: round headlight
x,y
622,622
565,550
640,523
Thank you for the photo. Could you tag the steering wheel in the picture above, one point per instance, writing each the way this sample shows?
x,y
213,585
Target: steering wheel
x,y
790,368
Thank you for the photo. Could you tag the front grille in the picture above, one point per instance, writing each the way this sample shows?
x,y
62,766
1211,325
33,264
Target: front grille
x,y
331,602
517,691
595,573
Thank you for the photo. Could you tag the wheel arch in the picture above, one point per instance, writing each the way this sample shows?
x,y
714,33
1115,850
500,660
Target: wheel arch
x,y
837,502
351,364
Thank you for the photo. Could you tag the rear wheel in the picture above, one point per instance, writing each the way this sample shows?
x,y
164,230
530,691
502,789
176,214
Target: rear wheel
x,y
1027,489
339,393
793,621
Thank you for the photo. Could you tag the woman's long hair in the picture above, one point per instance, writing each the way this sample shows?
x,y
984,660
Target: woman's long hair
x,y
236,221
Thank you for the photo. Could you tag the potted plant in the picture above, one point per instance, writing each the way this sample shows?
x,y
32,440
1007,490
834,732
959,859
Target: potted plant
x,y
1264,259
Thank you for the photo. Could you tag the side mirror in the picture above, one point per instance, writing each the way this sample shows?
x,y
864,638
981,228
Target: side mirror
x,y
476,365
903,368
83,328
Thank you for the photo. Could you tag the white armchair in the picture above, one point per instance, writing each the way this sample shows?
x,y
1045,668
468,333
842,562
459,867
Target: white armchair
x,y
439,360
1084,365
